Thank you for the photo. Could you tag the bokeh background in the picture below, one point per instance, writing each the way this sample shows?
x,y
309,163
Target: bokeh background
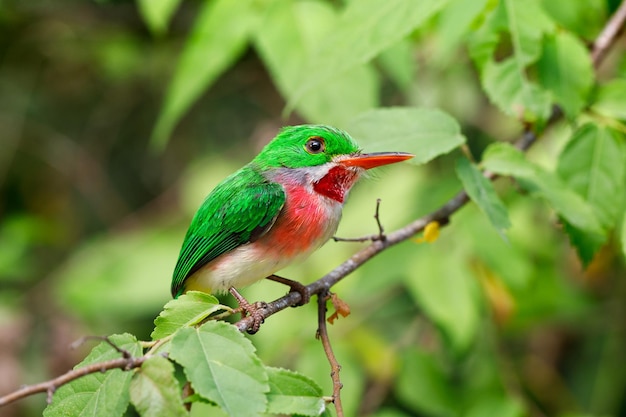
x,y
92,215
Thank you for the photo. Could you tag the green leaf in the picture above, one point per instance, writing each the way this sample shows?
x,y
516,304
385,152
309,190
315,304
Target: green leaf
x,y
508,87
293,393
427,133
187,310
584,18
446,293
565,69
424,387
610,99
454,24
505,80
99,394
481,191
157,13
220,35
586,244
364,30
154,391
496,406
592,164
222,367
290,30
504,159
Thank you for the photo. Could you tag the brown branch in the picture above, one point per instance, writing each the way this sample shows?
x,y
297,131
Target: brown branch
x,y
609,34
124,363
322,334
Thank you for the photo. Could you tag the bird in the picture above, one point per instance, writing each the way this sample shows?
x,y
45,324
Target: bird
x,y
276,210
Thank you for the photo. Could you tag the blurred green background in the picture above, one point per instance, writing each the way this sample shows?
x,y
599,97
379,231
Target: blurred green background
x,y
92,217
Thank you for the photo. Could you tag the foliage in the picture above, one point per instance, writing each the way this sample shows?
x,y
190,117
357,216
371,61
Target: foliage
x,y
517,308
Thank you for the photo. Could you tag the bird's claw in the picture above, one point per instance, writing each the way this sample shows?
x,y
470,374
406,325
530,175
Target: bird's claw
x,y
254,310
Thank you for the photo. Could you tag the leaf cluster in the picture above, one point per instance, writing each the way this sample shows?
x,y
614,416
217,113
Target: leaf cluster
x,y
219,365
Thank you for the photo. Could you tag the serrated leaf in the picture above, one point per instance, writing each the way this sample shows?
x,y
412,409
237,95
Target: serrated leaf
x,y
610,99
504,159
505,80
220,35
222,367
512,92
157,13
592,164
154,391
481,191
364,29
187,310
292,393
290,30
565,70
426,133
102,394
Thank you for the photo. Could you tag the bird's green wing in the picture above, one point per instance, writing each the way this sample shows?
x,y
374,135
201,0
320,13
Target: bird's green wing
x,y
241,208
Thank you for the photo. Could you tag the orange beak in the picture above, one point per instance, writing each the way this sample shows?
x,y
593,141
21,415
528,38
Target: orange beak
x,y
375,159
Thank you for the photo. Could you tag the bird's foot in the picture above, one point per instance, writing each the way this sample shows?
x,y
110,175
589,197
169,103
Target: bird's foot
x,y
295,286
247,308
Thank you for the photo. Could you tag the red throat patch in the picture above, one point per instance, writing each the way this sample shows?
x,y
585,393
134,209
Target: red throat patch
x,y
336,183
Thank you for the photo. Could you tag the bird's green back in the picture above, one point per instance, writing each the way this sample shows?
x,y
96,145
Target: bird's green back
x,y
240,208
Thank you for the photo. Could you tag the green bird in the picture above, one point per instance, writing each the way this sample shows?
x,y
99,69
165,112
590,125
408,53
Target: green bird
x,y
277,209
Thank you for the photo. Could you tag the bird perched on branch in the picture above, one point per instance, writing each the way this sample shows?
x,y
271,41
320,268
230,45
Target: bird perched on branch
x,y
277,209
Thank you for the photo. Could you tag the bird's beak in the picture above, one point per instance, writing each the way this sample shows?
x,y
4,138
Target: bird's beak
x,y
375,159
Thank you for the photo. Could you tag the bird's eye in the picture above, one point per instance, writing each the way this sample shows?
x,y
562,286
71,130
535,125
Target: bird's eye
x,y
315,145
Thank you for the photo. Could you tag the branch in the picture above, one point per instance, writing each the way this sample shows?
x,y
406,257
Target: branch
x,y
125,363
322,334
609,34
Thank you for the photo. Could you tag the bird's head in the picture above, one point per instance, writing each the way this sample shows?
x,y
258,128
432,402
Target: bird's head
x,y
324,157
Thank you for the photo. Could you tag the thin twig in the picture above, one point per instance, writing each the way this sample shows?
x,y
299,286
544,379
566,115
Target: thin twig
x,y
322,334
381,231
105,339
370,238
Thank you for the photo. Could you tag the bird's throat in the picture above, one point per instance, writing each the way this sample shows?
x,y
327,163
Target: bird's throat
x,y
336,183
